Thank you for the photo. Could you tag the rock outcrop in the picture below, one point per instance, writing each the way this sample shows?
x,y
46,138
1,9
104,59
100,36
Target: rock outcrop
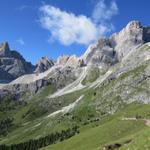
x,y
133,35
43,65
100,54
4,50
108,51
62,60
70,61
12,64
127,39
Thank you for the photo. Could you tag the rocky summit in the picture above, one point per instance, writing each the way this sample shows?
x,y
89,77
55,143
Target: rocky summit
x,y
12,64
110,50
43,64
131,36
102,96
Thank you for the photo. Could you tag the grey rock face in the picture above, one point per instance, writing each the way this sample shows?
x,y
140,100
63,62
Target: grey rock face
x,y
4,50
101,53
111,50
75,62
43,64
12,64
132,76
70,61
131,36
62,60
127,39
31,88
58,78
146,34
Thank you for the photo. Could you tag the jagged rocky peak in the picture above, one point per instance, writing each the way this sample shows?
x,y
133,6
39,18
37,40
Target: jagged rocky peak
x,y
111,50
62,60
43,64
4,50
71,61
133,25
75,62
12,64
128,38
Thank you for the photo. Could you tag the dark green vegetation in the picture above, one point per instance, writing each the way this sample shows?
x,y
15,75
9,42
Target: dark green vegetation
x,y
5,124
43,141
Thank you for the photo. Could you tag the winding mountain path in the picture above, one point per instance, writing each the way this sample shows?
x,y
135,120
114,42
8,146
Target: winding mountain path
x,y
147,121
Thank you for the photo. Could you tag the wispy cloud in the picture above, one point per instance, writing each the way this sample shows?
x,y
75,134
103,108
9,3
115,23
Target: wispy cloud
x,y
69,28
20,41
27,7
102,12
23,7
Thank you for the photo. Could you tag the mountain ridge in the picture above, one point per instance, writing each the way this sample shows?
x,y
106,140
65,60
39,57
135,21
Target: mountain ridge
x,y
104,54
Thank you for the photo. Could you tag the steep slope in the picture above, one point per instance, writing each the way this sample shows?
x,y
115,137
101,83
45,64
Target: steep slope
x,y
96,97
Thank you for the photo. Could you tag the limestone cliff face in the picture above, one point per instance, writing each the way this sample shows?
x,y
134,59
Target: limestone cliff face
x,y
70,61
133,35
43,64
111,50
100,54
128,38
62,60
4,50
12,64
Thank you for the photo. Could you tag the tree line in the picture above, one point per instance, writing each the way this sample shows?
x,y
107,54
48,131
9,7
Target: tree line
x,y
35,144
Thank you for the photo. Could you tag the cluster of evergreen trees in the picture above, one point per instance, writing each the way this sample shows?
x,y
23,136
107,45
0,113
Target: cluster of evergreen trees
x,y
5,125
43,141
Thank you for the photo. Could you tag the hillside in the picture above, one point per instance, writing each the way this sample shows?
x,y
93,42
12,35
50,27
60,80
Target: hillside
x,y
99,101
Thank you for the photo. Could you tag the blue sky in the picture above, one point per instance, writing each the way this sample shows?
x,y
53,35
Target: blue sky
x,y
54,27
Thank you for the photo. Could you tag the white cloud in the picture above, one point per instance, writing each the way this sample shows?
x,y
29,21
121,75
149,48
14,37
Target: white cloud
x,y
68,28
20,41
102,12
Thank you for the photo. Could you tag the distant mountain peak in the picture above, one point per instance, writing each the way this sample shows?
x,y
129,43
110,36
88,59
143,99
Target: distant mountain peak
x,y
5,50
134,24
43,64
12,64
